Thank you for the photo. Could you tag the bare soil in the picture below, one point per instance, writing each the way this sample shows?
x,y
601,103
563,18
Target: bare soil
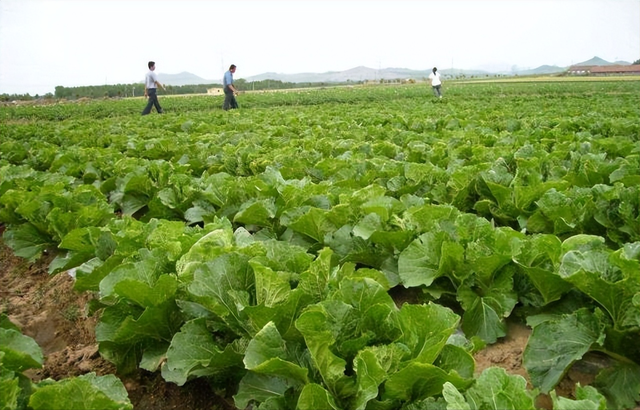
x,y
47,309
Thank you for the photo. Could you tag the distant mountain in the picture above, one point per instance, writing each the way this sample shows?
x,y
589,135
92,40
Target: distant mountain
x,y
183,78
362,73
543,69
358,74
354,74
599,61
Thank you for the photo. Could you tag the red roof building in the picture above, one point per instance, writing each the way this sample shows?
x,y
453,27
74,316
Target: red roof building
x,y
604,70
616,70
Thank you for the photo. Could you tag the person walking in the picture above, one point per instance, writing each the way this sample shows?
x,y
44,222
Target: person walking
x,y
436,83
151,84
230,90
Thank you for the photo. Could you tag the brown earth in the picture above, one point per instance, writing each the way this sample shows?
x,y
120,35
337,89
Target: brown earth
x,y
47,309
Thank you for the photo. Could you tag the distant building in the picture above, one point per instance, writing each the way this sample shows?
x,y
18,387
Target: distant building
x,y
616,70
580,69
215,91
603,70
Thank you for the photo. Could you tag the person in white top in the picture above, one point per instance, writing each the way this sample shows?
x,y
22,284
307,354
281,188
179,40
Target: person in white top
x,y
151,84
436,83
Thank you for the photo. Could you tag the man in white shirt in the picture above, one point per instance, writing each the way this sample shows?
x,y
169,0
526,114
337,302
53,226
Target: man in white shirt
x,y
436,83
151,84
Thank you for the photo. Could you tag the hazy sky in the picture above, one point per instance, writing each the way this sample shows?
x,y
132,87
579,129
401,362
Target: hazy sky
x,y
45,43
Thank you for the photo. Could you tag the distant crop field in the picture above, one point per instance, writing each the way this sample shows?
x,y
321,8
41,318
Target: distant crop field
x,y
348,248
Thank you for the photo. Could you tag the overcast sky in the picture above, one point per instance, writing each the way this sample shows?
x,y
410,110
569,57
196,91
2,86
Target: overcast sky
x,y
45,43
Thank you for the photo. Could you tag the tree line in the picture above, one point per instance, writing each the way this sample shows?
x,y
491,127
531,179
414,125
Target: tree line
x,y
137,89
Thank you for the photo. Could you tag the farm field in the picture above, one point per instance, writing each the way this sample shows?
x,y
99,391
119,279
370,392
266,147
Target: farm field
x,y
349,248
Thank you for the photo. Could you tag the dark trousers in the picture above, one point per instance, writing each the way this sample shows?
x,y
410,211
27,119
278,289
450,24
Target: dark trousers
x,y
153,101
229,100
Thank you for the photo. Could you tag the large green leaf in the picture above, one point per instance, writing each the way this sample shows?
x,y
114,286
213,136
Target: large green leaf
x,y
272,287
567,211
620,384
194,353
539,258
315,280
217,241
611,278
431,217
496,390
256,212
21,352
227,285
10,390
486,306
426,329
587,398
456,358
268,353
312,222
554,345
90,274
256,387
126,324
383,206
145,272
162,290
315,325
455,400
315,397
282,255
419,263
86,392
370,374
135,191
371,312
27,241
421,380
83,244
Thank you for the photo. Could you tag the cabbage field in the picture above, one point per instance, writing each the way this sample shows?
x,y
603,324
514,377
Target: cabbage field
x,y
264,249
